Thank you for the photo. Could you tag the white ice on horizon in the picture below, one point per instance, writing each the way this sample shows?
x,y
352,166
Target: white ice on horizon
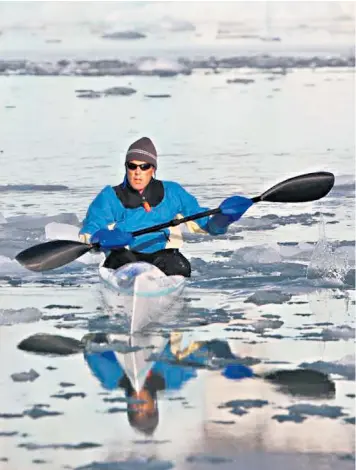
x,y
149,65
2,219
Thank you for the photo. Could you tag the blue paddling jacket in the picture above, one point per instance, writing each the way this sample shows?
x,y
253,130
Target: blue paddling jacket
x,y
126,209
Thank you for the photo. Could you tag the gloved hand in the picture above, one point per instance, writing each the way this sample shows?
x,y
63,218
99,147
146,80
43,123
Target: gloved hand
x,y
109,239
232,209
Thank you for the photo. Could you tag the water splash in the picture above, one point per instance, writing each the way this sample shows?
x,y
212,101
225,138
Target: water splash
x,y
326,265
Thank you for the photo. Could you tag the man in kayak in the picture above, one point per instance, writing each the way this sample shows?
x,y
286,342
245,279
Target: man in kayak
x,y
142,201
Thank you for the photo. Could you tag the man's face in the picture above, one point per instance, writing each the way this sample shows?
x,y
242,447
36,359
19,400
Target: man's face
x,y
139,174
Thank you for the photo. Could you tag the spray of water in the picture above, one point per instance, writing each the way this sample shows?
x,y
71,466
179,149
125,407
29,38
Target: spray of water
x,y
326,266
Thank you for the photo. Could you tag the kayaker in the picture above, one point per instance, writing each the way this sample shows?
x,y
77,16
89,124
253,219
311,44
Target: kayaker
x,y
142,201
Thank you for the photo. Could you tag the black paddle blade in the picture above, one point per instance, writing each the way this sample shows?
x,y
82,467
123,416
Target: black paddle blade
x,y
51,255
302,188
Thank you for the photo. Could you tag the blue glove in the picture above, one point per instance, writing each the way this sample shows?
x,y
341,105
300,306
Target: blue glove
x,y
109,239
237,371
232,209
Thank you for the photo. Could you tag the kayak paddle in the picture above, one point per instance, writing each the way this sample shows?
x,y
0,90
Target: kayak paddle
x,y
302,188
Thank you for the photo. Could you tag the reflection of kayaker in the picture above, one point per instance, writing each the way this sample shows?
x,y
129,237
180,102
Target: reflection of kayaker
x,y
142,377
174,367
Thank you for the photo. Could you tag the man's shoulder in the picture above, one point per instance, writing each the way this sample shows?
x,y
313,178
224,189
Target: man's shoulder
x,y
106,192
172,185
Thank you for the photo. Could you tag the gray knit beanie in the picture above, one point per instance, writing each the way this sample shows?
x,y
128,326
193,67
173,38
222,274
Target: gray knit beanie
x,y
142,150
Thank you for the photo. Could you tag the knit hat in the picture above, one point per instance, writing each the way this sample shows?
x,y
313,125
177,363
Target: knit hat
x,y
142,150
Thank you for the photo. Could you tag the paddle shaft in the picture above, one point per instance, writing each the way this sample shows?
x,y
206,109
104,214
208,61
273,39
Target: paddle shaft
x,y
174,222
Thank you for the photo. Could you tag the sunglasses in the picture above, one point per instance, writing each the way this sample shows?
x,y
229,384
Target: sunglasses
x,y
142,166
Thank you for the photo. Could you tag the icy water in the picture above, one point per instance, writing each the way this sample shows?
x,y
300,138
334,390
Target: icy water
x,y
275,293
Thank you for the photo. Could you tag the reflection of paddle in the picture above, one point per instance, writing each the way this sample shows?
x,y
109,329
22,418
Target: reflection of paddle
x,y
302,188
55,345
302,382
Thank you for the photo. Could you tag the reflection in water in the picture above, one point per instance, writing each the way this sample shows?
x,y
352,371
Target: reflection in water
x,y
241,409
141,373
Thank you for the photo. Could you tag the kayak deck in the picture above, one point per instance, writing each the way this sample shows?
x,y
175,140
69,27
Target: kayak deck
x,y
140,292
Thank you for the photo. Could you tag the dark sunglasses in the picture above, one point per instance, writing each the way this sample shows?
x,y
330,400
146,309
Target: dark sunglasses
x,y
142,166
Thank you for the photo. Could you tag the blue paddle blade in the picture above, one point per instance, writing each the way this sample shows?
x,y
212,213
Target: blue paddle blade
x,y
235,207
109,239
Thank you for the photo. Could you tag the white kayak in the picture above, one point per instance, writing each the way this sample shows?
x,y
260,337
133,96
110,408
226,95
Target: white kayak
x,y
142,293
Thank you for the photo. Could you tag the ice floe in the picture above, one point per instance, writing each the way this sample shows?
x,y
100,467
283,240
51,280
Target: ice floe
x,y
23,315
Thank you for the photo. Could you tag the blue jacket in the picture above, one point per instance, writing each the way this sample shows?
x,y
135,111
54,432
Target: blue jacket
x,y
107,211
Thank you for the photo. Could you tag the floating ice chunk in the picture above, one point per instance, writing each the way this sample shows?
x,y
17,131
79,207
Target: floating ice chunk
x,y
347,360
300,251
23,315
139,463
257,255
29,376
2,219
345,367
59,231
5,263
264,297
339,332
38,222
265,324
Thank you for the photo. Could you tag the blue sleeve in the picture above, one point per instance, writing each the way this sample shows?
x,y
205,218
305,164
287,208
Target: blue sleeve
x,y
100,213
189,205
